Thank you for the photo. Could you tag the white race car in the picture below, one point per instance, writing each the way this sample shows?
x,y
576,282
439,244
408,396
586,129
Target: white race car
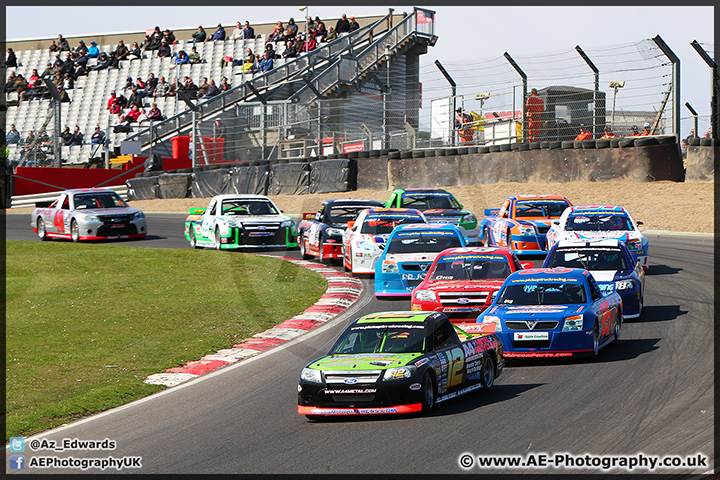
x,y
600,221
364,239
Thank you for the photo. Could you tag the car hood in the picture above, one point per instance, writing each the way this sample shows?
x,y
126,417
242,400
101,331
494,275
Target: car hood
x,y
364,361
463,285
538,312
108,211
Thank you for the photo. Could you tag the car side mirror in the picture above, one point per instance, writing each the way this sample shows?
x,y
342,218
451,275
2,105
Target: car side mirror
x,y
639,223
526,265
556,222
351,224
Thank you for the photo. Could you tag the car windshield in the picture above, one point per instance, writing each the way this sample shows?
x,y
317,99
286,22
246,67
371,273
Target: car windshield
x,y
98,200
423,242
449,268
248,207
381,338
542,294
344,214
428,202
540,209
385,224
595,223
588,258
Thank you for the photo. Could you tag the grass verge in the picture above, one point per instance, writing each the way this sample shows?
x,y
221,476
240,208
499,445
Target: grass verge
x,y
86,324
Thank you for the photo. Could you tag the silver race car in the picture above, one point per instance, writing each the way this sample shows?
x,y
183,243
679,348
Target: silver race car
x,y
88,214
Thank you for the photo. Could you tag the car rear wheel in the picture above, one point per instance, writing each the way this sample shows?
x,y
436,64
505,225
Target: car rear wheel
x,y
74,231
487,374
216,238
41,231
596,340
303,248
321,258
618,325
428,389
193,240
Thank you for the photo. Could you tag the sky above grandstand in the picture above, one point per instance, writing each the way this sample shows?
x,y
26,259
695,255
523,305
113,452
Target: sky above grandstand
x,y
465,33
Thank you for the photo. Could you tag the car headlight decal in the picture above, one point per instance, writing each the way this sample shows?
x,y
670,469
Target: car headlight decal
x,y
425,295
495,320
573,324
399,373
311,375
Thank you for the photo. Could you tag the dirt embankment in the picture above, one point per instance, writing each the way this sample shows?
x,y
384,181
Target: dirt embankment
x,y
671,206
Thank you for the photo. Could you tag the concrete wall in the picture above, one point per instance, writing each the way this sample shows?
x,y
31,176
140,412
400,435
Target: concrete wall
x,y
626,164
700,164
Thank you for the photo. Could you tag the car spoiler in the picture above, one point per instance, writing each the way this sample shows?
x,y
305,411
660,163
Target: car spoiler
x,y
470,330
492,212
308,216
197,211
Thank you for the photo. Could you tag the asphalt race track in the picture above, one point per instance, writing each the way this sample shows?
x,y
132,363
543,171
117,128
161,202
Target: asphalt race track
x,y
652,394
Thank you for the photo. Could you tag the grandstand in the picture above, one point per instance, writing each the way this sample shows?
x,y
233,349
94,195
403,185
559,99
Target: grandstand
x,y
316,75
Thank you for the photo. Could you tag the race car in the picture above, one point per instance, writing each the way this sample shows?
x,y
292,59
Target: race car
x,y
613,266
239,221
88,214
364,239
320,234
522,222
438,206
598,221
398,362
558,312
409,251
462,282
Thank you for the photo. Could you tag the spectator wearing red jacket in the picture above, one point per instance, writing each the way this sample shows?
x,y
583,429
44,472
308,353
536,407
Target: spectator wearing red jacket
x,y
584,133
535,108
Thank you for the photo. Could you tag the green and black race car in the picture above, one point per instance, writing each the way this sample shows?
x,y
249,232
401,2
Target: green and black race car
x,y
399,362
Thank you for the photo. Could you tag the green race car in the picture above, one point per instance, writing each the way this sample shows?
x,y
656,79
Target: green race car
x,y
239,221
399,362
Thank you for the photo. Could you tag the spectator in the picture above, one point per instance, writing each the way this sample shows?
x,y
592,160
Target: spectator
x,y
462,125
708,134
278,34
332,35
80,66
68,65
190,89
290,50
164,50
173,88
57,80
34,78
162,88
212,89
154,40
224,85
181,58
150,86
634,131
66,136
291,30
68,82
76,138
219,34
81,49
64,97
98,136
46,72
10,82
199,36
113,61
93,50
13,136
692,135
135,97
169,36
248,31
320,31
155,114
194,56
683,148
112,100
57,63
21,86
342,25
353,24
535,107
266,64
608,133
646,130
238,32
203,87
30,137
135,52
584,134
11,59
103,62
123,125
122,52
134,113
128,84
63,44
269,48
53,46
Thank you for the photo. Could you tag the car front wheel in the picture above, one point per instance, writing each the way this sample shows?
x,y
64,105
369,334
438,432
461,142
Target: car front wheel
x,y
303,248
487,375
428,389
74,231
193,240
217,238
41,231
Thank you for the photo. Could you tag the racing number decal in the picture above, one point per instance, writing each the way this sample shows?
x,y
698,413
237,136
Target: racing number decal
x,y
58,221
456,361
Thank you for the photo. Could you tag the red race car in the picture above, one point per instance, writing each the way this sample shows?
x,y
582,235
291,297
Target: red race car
x,y
462,282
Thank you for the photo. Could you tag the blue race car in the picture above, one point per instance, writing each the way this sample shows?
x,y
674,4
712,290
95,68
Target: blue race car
x,y
611,263
409,252
557,312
